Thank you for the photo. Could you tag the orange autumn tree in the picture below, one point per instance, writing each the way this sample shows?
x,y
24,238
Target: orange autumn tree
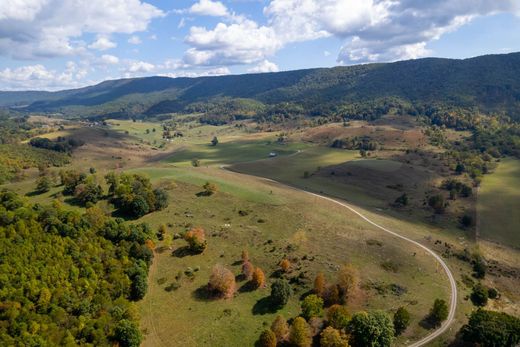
x,y
222,282
348,281
319,285
258,278
196,239
247,270
285,265
245,256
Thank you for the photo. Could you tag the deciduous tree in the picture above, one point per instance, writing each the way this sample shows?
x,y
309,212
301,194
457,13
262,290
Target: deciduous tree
x,y
300,334
222,282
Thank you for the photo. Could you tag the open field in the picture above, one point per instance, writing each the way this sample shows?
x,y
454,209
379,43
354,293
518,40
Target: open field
x,y
499,200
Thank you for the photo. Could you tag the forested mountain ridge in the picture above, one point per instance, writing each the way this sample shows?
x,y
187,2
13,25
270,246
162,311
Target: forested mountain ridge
x,y
490,83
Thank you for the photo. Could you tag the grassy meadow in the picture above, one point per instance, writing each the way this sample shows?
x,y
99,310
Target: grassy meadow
x,y
499,200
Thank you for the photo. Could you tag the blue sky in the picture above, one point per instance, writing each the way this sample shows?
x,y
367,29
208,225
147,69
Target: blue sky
x,y
58,44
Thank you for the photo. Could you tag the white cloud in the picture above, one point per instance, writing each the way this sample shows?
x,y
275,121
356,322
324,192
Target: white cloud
x,y
237,43
209,8
265,66
138,67
46,28
102,44
109,59
134,40
32,77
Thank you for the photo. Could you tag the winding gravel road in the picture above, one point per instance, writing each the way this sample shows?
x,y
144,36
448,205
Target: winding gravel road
x,y
453,298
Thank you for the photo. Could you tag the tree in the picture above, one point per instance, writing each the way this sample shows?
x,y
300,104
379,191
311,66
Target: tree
x,y
222,282
161,199
331,337
300,334
401,320
127,334
195,162
439,312
438,203
280,328
245,256
488,328
267,339
332,295
43,184
374,328
348,281
280,292
402,200
214,141
210,188
258,278
196,239
479,266
338,317
285,265
312,306
89,191
319,284
247,270
479,295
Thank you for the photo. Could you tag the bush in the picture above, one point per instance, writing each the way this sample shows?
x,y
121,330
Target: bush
x,y
338,317
312,306
280,328
402,200
479,267
492,293
401,320
196,239
195,162
280,292
89,191
331,337
222,282
439,312
371,329
210,188
479,295
127,334
258,278
285,265
43,184
300,334
488,328
438,203
267,339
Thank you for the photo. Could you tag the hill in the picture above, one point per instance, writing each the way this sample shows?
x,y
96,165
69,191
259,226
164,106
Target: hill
x,y
489,83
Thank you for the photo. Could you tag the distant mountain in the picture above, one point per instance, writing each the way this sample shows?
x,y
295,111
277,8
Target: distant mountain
x,y
490,83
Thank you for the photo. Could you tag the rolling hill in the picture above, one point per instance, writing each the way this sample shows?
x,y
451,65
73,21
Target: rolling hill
x,y
490,83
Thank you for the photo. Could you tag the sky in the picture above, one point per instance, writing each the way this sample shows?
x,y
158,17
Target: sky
x,y
63,44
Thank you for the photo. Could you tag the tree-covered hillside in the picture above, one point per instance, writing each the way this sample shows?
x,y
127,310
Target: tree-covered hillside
x,y
489,83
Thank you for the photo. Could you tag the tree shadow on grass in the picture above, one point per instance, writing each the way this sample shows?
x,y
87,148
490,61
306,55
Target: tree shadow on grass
x,y
34,193
428,323
184,251
247,287
264,306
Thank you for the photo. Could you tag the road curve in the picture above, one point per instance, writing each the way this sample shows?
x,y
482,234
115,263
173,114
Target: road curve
x,y
453,299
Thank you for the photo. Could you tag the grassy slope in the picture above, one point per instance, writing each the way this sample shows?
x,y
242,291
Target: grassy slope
x,y
499,200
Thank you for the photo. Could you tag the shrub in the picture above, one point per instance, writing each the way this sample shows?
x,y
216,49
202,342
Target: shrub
x,y
438,203
492,293
312,306
221,282
267,339
280,292
331,337
488,328
258,278
348,281
479,267
127,334
247,270
371,329
300,334
439,312
43,184
89,191
319,285
280,328
214,141
210,188
195,162
331,296
196,239
479,295
402,200
285,265
401,320
338,317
